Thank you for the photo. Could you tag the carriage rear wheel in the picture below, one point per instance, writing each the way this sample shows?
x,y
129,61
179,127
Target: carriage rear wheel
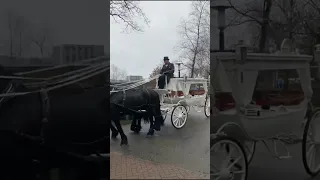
x,y
227,159
310,145
179,116
207,107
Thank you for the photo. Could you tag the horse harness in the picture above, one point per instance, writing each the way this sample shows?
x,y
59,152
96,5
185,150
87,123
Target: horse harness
x,y
45,104
125,97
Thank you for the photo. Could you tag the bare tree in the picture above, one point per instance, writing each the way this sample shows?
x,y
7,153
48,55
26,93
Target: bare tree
x,y
195,37
256,13
42,38
127,12
286,21
156,71
116,73
18,32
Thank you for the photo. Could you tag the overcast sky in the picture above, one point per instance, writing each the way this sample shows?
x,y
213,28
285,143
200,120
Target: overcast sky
x,y
140,53
71,21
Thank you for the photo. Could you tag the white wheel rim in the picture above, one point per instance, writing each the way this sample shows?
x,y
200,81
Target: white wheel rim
x,y
226,169
208,108
312,149
179,117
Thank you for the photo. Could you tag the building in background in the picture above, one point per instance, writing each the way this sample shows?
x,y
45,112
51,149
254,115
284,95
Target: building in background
x,y
134,78
71,53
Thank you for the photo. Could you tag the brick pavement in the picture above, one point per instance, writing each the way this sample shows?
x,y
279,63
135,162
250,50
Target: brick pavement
x,y
129,167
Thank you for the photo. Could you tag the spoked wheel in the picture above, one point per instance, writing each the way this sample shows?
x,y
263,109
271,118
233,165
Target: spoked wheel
x,y
227,159
207,107
179,116
310,145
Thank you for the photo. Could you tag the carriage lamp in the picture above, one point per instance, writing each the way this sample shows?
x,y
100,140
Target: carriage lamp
x,y
179,70
221,7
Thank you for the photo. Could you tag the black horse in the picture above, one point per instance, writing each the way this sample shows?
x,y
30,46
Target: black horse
x,y
44,130
139,103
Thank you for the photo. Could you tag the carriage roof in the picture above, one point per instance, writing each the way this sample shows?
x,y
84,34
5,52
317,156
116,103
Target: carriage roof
x,y
264,61
237,72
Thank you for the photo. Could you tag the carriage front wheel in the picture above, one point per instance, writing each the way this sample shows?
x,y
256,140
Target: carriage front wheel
x,y
227,159
310,145
207,107
179,116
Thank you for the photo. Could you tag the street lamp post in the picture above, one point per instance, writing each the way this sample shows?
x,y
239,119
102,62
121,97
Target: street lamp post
x,y
179,63
221,21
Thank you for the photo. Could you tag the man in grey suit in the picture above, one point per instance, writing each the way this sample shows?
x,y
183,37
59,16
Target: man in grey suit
x,y
166,71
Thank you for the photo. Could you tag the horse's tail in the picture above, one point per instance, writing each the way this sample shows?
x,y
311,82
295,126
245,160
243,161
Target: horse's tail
x,y
145,118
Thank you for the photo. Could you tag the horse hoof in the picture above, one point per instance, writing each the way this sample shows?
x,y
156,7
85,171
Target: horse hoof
x,y
123,143
114,135
136,131
150,133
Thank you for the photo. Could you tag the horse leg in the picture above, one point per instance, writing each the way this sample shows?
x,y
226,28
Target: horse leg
x,y
151,129
124,139
114,131
138,126
133,124
158,119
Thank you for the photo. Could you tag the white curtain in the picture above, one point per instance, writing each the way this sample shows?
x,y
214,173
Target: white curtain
x,y
305,80
248,85
243,85
221,79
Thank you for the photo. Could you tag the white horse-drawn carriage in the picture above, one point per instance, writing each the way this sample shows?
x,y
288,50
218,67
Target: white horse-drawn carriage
x,y
238,129
180,94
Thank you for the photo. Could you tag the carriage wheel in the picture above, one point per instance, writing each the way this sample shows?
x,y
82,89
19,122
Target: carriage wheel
x,y
250,148
310,145
179,116
188,109
207,107
227,159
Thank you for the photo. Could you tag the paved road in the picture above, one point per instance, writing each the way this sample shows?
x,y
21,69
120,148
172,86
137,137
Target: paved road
x,y
187,148
264,167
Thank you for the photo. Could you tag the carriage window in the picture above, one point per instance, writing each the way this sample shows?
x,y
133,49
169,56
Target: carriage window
x,y
196,87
